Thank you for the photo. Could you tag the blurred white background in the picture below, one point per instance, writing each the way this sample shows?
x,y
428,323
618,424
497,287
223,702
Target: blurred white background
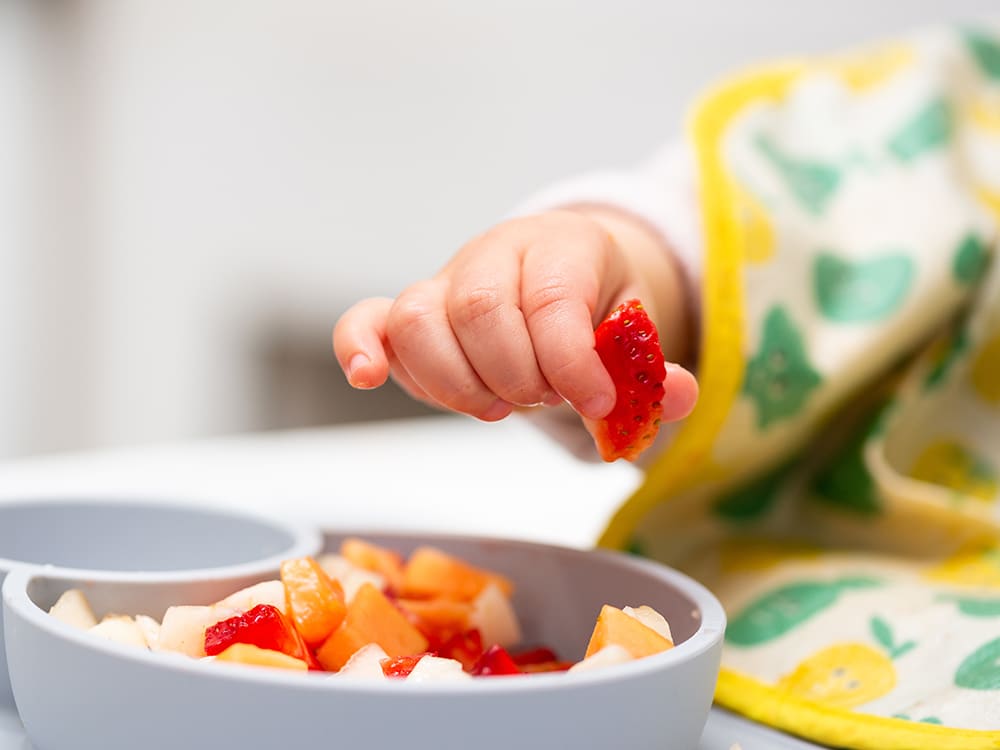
x,y
191,191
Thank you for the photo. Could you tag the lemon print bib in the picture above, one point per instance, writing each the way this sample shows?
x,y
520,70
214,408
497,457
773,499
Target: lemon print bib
x,y
838,484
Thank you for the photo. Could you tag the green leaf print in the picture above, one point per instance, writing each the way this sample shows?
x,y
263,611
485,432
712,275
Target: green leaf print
x,y
986,52
974,607
928,129
981,669
971,260
812,183
751,501
779,377
861,292
636,547
783,609
846,482
951,352
882,634
925,720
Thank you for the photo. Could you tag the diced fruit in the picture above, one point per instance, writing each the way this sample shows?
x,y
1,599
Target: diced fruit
x,y
349,575
495,661
314,601
437,618
629,347
73,608
466,647
540,660
400,666
494,617
614,627
266,592
606,657
538,655
183,628
437,669
120,629
651,619
556,665
263,626
387,563
370,618
431,573
365,663
247,653
150,630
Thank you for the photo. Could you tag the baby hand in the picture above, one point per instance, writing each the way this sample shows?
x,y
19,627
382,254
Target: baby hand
x,y
510,319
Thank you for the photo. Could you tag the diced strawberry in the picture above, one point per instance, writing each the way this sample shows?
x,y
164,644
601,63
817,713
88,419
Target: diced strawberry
x,y
538,655
401,666
629,347
556,665
495,661
465,647
263,626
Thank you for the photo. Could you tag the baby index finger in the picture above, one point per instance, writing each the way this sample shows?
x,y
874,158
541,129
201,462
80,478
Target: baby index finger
x,y
358,342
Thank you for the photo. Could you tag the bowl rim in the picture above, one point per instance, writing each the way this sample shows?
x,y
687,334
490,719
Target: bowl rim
x,y
708,635
306,539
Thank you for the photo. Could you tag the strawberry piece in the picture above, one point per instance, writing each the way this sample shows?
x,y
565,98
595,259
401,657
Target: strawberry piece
x,y
263,626
538,655
401,666
629,347
546,666
495,661
466,647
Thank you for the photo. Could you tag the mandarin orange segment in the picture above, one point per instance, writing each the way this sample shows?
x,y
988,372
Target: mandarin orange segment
x,y
431,573
615,627
315,601
370,618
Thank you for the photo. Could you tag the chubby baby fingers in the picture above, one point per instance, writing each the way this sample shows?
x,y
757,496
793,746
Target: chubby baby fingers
x,y
421,338
358,342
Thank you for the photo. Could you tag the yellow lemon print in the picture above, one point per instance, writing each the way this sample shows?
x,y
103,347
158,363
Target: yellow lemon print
x,y
844,675
949,464
975,566
990,199
984,113
758,231
985,372
865,72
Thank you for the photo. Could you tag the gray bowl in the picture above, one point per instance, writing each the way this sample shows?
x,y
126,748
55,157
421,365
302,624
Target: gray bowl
x,y
145,540
74,690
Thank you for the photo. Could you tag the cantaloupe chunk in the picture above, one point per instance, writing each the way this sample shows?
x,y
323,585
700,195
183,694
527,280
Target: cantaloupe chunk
x,y
439,613
614,627
247,653
370,618
432,573
386,562
315,602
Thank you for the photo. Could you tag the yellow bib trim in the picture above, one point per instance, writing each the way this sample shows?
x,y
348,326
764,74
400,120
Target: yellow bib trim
x,y
777,708
720,370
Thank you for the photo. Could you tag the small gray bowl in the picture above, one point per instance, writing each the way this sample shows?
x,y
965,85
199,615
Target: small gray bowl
x,y
74,690
143,540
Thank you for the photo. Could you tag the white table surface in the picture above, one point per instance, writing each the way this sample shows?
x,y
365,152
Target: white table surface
x,y
431,474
